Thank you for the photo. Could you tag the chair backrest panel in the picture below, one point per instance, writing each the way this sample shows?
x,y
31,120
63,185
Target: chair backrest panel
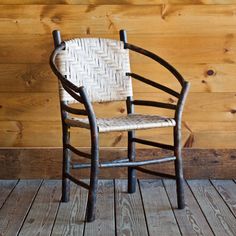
x,y
100,65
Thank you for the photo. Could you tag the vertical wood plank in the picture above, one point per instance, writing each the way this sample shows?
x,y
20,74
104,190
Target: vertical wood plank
x,y
17,205
227,190
71,215
104,225
214,208
191,219
6,186
159,214
42,214
130,218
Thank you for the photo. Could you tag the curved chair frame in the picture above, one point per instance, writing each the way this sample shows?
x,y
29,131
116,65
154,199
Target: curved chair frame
x,y
79,94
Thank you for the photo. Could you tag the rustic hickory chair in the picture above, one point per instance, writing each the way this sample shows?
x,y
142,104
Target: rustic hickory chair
x,y
98,70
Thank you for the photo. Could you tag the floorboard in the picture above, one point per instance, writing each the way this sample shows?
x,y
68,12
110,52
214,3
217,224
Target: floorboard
x,y
191,220
42,214
6,186
104,225
159,215
130,219
33,207
227,190
71,215
16,207
214,208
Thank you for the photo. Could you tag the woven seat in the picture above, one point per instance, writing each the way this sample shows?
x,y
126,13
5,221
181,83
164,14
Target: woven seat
x,y
124,123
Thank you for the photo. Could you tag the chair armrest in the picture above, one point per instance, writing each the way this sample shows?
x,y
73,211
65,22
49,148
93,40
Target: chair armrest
x,y
73,110
154,84
54,68
158,59
154,104
72,89
72,92
181,96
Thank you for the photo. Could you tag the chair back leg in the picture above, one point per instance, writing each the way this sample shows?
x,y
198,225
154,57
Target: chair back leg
x,y
94,171
65,164
132,179
179,168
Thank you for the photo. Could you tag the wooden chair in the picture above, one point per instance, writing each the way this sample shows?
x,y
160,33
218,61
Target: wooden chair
x,y
98,70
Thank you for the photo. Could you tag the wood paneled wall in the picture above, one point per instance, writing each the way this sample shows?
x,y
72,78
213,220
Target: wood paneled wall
x,y
197,37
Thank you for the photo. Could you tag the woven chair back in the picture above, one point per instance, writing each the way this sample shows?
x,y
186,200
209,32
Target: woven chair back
x,y
100,65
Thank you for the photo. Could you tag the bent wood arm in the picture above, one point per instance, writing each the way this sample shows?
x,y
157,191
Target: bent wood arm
x,y
184,84
73,90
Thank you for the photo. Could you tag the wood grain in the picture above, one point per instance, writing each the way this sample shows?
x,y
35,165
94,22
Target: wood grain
x,y
27,78
46,163
175,30
45,106
105,217
48,134
19,134
158,211
227,190
184,49
6,186
108,19
210,123
41,217
11,215
214,208
191,220
71,215
129,211
122,2
39,77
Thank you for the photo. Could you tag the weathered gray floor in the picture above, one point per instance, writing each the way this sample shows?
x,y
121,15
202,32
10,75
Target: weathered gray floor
x,y
32,207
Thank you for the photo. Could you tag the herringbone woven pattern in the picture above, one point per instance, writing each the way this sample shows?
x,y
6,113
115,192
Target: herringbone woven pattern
x,y
100,65
123,123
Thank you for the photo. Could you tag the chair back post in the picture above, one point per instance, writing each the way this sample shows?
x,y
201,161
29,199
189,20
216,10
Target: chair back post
x,y
131,134
123,37
129,104
56,37
65,135
57,41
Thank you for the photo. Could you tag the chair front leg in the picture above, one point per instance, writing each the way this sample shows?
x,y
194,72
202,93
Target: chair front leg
x,y
131,155
92,195
179,168
65,164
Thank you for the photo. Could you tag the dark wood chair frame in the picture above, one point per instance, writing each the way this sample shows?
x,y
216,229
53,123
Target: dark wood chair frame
x,y
79,94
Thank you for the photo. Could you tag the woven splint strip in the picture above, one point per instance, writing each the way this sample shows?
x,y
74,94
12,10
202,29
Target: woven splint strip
x,y
100,65
124,123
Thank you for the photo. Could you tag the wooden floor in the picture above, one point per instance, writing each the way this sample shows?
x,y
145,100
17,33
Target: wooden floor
x,y
32,207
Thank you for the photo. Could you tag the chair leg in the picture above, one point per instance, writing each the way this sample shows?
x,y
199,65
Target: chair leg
x,y
92,195
179,170
131,171
65,166
91,205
